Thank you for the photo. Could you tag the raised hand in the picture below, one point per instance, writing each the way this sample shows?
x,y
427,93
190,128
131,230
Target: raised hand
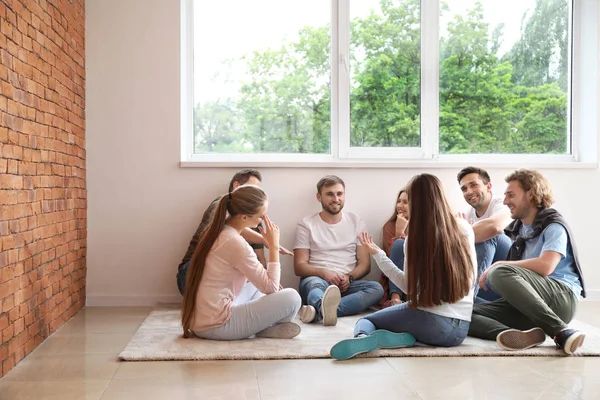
x,y
270,233
367,241
401,224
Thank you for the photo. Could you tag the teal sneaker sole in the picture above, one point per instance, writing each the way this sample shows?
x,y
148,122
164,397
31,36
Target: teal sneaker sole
x,y
349,348
392,340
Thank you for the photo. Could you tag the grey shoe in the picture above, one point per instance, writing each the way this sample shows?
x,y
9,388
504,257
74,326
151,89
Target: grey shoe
x,y
307,314
514,339
285,330
329,305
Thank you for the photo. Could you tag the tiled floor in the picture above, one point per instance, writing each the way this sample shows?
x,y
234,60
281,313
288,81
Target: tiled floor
x,y
80,362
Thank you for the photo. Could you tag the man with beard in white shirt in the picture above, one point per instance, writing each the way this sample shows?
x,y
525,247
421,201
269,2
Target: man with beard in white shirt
x,y
330,260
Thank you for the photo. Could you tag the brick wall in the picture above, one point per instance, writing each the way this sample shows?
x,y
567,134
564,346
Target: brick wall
x,y
42,171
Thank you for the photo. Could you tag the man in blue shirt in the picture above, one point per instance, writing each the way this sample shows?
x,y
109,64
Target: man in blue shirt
x,y
541,282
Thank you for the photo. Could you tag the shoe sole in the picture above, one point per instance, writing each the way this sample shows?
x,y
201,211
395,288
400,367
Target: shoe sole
x,y
514,339
285,330
350,348
380,338
573,343
329,305
307,314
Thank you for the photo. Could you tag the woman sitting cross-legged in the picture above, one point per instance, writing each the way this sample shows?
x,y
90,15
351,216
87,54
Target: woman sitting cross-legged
x,y
438,279
213,304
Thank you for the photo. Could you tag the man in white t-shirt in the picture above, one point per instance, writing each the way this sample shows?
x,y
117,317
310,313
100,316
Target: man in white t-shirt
x,y
488,216
330,260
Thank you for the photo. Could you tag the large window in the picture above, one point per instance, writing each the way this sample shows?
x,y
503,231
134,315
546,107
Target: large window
x,y
379,79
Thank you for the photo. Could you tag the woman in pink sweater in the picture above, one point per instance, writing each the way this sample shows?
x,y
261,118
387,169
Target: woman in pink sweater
x,y
221,265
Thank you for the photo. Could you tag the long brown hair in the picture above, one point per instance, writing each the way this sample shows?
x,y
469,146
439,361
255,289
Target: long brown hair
x,y
439,265
394,216
244,200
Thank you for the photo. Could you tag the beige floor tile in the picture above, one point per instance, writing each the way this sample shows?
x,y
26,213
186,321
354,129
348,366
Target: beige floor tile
x,y
328,367
525,385
83,324
326,387
70,390
161,390
64,368
451,366
188,371
93,343
586,386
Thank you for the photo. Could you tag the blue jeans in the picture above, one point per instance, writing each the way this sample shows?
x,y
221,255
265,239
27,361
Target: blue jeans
x,y
489,252
359,296
397,257
426,327
181,275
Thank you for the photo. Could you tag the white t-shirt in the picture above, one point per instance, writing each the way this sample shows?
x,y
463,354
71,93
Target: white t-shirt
x,y
332,246
496,207
463,308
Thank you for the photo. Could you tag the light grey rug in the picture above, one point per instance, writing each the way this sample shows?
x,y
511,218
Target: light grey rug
x,y
159,338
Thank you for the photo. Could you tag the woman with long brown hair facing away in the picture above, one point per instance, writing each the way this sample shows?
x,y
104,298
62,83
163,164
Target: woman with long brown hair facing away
x,y
439,279
218,271
393,230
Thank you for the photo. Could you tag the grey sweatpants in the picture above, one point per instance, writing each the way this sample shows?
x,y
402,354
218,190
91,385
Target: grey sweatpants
x,y
258,312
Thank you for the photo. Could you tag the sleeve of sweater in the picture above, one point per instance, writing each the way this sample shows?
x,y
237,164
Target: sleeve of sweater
x,y
238,253
389,269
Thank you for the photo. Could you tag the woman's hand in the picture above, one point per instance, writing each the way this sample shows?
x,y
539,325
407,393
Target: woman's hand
x,y
270,234
367,241
401,224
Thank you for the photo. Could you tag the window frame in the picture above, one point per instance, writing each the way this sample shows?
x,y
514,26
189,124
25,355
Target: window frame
x,y
585,20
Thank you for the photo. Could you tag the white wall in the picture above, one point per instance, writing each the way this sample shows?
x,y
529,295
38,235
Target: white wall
x,y
144,208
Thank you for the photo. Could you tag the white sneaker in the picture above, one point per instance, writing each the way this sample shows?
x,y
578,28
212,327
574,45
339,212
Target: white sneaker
x,y
307,314
329,305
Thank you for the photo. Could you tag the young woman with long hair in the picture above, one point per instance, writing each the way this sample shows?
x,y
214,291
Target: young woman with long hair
x,y
221,265
393,230
439,279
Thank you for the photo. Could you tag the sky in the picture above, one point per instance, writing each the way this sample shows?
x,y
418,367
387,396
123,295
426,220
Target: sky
x,y
260,24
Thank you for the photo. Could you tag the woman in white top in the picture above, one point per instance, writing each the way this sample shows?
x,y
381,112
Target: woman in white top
x,y
213,304
439,279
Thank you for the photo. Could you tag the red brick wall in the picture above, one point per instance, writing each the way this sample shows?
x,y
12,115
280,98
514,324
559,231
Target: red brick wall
x,y
42,171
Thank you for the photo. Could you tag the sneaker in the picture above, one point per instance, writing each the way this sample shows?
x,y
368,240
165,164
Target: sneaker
x,y
307,314
514,339
285,330
380,338
569,340
329,305
392,340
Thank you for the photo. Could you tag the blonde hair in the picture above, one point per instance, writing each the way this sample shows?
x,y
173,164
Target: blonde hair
x,y
536,183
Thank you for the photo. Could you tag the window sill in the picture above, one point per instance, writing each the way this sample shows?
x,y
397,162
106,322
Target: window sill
x,y
392,164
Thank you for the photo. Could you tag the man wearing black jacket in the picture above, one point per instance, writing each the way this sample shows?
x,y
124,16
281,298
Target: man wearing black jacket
x,y
541,282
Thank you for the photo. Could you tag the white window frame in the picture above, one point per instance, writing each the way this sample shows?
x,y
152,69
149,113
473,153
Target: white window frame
x,y
583,97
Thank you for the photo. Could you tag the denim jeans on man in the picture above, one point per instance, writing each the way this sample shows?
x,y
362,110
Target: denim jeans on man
x,y
489,252
359,296
181,276
427,328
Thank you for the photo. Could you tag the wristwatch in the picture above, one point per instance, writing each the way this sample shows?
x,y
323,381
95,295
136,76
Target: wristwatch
x,y
350,278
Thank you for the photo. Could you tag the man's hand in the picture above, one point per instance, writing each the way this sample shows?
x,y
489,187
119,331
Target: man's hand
x,y
332,278
285,252
345,283
483,276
